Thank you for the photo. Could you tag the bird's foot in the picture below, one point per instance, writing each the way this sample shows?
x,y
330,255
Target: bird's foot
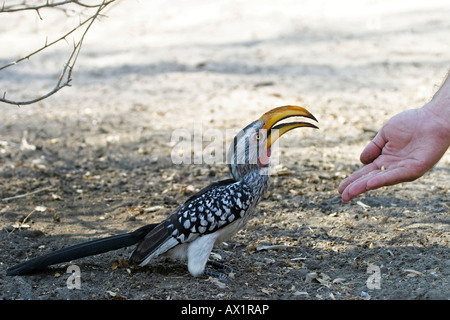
x,y
219,265
217,274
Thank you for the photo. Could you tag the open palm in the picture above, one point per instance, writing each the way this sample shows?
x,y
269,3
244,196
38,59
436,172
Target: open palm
x,y
406,147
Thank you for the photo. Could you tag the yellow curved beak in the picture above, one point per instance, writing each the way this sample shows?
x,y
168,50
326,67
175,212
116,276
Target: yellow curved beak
x,y
275,115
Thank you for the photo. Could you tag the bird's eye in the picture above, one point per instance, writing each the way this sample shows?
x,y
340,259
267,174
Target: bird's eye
x,y
258,137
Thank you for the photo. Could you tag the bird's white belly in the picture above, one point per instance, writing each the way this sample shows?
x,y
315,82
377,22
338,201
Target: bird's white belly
x,y
180,252
229,231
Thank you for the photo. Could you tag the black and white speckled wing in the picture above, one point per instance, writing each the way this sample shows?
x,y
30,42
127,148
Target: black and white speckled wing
x,y
211,211
206,212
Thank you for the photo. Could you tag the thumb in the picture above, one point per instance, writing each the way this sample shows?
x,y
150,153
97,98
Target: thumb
x,y
373,149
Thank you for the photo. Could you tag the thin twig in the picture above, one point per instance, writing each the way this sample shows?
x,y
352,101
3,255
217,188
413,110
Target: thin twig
x,y
26,194
23,6
29,215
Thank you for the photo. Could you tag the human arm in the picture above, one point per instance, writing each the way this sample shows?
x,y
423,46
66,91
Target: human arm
x,y
406,147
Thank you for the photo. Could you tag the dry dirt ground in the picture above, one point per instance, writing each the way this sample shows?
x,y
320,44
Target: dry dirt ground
x,y
95,159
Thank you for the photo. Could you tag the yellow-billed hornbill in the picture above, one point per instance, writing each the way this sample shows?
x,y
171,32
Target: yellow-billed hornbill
x,y
210,216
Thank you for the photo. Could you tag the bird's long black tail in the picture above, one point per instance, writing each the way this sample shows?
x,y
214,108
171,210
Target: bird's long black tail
x,y
81,250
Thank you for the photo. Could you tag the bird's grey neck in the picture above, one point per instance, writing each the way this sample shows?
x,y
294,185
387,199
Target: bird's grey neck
x,y
258,180
238,171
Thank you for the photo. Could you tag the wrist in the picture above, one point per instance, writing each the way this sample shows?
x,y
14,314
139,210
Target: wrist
x,y
438,111
440,103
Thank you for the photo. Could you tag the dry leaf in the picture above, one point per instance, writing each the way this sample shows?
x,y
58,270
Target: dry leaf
x,y
153,209
56,197
283,171
365,295
21,226
216,256
218,283
301,293
298,258
324,279
363,205
335,214
272,247
413,273
121,263
115,295
310,277
267,291
338,280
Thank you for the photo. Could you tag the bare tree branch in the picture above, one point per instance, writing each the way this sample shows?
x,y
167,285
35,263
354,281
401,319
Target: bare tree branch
x,y
66,75
24,6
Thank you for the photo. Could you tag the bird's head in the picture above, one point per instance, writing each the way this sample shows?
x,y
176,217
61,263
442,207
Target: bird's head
x,y
251,147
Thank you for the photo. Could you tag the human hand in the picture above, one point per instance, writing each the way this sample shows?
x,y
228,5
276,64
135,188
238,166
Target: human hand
x,y
406,147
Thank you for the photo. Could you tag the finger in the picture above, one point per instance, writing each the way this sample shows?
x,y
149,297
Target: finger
x,y
390,177
377,179
357,187
356,175
373,149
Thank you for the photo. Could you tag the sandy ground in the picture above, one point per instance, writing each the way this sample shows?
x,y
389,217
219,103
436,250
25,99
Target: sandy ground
x,y
96,157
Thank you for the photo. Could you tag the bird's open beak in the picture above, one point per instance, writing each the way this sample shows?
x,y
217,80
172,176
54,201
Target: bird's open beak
x,y
273,116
